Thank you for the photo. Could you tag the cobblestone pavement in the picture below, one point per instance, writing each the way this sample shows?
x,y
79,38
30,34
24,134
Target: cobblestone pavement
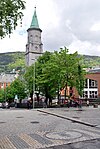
x,y
51,128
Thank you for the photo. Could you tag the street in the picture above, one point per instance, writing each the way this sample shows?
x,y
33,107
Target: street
x,y
52,128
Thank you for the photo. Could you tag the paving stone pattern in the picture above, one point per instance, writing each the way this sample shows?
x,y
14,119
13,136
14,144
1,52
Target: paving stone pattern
x,y
34,141
31,129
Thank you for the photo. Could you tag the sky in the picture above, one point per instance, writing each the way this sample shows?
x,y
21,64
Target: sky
x,y
71,23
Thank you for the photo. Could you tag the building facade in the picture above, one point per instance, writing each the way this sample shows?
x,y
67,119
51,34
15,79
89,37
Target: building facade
x,y
7,79
91,87
34,46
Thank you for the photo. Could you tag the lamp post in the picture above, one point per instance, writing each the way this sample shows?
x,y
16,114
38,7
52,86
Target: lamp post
x,y
34,86
30,43
34,83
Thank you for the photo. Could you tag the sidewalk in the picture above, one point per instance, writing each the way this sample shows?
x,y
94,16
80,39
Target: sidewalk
x,y
89,116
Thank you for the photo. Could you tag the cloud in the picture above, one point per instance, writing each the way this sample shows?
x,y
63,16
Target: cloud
x,y
82,47
16,42
71,23
95,27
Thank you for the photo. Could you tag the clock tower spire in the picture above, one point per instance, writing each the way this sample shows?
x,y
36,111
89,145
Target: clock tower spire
x,y
34,46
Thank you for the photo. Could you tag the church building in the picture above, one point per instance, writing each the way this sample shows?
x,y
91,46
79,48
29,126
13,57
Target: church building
x,y
34,46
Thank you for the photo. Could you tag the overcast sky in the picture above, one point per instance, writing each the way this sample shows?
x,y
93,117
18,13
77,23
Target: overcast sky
x,y
71,23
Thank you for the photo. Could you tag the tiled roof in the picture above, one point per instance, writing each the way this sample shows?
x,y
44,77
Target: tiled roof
x,y
7,78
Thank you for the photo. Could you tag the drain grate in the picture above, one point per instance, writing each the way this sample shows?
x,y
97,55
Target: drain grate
x,y
44,114
2,122
20,117
76,117
35,122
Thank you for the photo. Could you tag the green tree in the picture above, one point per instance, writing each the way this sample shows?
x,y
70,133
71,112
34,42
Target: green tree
x,y
2,95
54,71
29,80
60,71
19,64
80,80
9,95
10,14
43,80
40,83
18,88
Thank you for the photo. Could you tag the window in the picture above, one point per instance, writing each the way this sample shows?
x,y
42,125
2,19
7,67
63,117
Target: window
x,y
85,94
93,94
92,83
36,48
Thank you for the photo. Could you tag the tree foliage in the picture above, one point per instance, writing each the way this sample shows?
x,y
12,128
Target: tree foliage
x,y
54,71
10,14
2,95
29,79
17,87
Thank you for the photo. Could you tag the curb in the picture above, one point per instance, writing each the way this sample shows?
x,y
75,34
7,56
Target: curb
x,y
68,118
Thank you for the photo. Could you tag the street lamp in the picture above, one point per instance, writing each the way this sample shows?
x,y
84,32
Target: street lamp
x,y
34,83
34,86
30,43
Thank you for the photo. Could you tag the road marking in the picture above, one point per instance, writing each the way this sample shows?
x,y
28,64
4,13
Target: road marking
x,y
5,143
29,140
18,142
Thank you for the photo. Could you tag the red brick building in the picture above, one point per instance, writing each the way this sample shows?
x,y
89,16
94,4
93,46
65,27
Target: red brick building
x,y
91,86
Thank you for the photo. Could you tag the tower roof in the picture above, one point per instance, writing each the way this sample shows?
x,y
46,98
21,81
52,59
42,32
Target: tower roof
x,y
34,23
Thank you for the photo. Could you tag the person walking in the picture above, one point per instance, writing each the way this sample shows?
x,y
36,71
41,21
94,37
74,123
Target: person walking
x,y
80,104
43,102
87,103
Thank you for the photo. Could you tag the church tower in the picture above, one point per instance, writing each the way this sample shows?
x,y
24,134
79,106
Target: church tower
x,y
34,46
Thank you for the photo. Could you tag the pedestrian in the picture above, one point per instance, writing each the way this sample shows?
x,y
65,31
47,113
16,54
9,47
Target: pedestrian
x,y
43,102
46,101
50,101
68,103
28,104
6,104
87,103
80,104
